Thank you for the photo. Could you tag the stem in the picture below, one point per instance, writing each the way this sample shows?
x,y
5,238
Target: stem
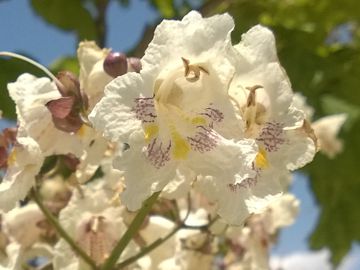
x,y
159,241
53,221
132,230
100,21
32,62
147,249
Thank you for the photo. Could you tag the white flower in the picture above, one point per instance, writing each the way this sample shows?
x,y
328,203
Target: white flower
x,y
94,223
30,95
194,249
262,93
24,162
157,227
250,246
92,77
326,130
176,111
262,96
35,139
23,224
21,231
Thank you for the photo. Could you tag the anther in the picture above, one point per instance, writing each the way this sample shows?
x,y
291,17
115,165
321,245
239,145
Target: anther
x,y
195,69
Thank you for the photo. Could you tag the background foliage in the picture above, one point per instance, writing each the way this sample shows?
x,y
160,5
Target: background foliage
x,y
318,44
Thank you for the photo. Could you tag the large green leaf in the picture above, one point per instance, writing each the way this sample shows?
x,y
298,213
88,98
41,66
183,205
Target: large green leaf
x,y
165,7
68,63
70,15
336,185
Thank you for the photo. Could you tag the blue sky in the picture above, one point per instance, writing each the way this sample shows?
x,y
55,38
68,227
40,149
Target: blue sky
x,y
22,31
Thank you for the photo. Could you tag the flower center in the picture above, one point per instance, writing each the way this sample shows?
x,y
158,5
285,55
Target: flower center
x,y
96,240
176,120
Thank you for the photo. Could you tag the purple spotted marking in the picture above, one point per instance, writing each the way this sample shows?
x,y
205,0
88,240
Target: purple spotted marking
x,y
157,153
214,114
145,109
204,140
246,183
272,136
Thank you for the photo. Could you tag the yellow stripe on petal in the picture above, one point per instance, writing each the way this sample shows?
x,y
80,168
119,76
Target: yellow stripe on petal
x,y
150,131
261,159
11,158
198,120
181,147
82,131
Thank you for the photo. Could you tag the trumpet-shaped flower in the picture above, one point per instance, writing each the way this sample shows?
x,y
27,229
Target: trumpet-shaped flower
x,y
177,110
262,97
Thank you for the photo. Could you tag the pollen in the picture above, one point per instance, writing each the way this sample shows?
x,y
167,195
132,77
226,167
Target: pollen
x,y
261,159
12,158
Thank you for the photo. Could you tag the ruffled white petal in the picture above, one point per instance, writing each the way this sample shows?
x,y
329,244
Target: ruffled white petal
x,y
326,129
92,77
114,115
20,175
30,95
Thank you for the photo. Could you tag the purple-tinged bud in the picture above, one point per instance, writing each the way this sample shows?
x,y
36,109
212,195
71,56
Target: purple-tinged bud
x,y
10,135
134,64
115,64
3,157
70,85
62,107
68,124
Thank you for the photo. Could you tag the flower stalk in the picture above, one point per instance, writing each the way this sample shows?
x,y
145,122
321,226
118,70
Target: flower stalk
x,y
132,230
59,229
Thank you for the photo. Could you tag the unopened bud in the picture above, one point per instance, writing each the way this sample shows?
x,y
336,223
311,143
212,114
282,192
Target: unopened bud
x,y
68,124
115,64
60,108
97,237
70,85
134,64
3,157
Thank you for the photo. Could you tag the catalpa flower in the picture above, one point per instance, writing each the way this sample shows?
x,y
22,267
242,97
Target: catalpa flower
x,y
263,99
94,223
177,111
326,129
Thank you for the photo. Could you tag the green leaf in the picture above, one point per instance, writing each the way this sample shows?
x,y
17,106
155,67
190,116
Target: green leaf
x,y
337,192
165,7
67,15
68,63
10,69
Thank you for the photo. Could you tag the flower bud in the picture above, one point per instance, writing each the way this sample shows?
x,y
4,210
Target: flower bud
x,y
61,108
70,85
134,64
115,64
68,124
3,157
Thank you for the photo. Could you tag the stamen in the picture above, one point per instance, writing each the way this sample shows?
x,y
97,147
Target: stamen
x,y
196,69
310,132
32,62
252,95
